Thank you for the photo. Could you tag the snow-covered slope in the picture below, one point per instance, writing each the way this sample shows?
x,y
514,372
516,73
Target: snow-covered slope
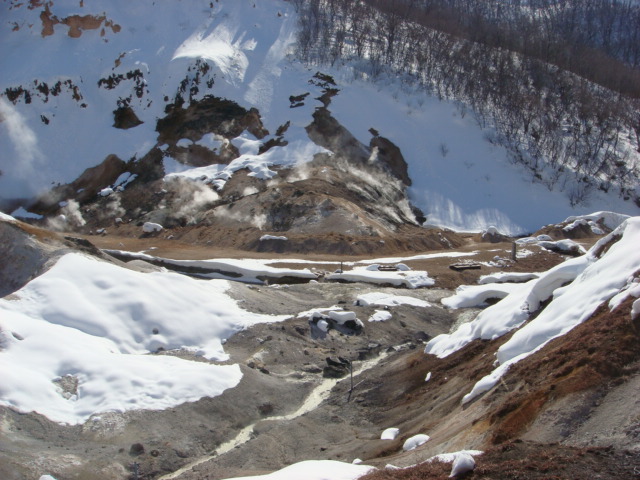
x,y
60,86
574,289
55,137
79,339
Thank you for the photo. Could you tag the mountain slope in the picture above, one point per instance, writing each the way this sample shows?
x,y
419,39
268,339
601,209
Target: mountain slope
x,y
59,113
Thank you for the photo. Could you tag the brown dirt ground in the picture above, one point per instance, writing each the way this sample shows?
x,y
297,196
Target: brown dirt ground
x,y
518,460
438,268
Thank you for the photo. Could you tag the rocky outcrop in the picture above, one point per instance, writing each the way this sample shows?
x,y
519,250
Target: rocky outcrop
x,y
125,118
327,132
336,367
390,155
76,23
84,188
209,115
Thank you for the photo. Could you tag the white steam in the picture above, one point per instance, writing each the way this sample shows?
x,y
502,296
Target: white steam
x,y
70,217
300,172
225,213
259,221
191,197
113,208
23,138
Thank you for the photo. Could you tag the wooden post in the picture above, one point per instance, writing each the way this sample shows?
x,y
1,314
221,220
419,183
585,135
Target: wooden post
x,y
514,251
351,373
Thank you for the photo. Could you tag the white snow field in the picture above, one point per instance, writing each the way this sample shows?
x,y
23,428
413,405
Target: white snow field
x,y
388,300
576,288
95,325
249,47
315,470
408,279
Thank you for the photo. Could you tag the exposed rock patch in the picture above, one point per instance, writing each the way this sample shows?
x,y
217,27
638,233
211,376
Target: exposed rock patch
x,y
77,23
125,118
84,188
389,154
211,114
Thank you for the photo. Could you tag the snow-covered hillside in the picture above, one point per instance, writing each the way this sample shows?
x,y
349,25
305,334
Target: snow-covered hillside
x,y
60,86
575,289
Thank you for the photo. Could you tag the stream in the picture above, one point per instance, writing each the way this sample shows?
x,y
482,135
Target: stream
x,y
313,400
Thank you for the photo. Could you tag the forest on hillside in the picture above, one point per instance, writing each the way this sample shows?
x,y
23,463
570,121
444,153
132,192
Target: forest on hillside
x,y
557,81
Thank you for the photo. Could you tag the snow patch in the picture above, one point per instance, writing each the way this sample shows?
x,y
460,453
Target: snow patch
x,y
150,227
477,295
315,470
380,316
272,237
388,300
414,442
410,279
576,287
98,323
389,433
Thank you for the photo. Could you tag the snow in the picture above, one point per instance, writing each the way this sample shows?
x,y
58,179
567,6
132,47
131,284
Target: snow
x,y
477,295
423,256
389,433
599,280
241,270
150,227
511,312
632,289
22,213
414,442
487,382
611,220
408,279
246,44
315,470
463,463
340,317
297,152
99,323
211,141
380,316
388,300
576,288
450,457
272,237
503,277
492,322
563,246
545,241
